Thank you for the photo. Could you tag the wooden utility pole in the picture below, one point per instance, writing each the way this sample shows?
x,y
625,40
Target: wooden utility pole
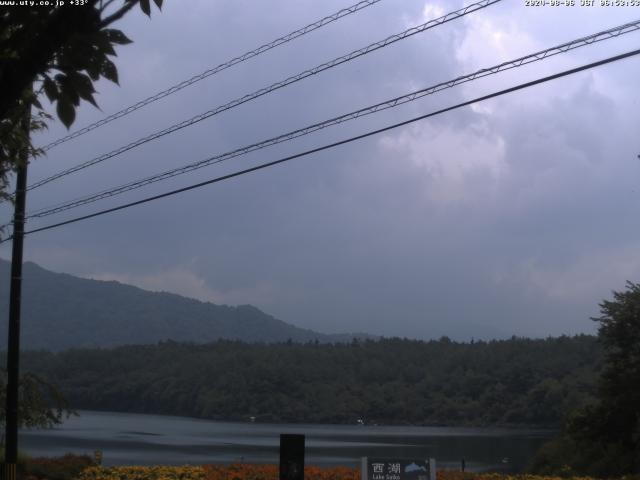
x,y
13,348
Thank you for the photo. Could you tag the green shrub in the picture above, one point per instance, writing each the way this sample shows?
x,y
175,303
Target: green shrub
x,y
66,467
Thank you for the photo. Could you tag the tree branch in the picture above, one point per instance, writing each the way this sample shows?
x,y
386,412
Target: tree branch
x,y
104,6
118,14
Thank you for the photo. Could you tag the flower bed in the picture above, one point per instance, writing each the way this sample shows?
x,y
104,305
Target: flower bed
x,y
213,472
268,472
143,473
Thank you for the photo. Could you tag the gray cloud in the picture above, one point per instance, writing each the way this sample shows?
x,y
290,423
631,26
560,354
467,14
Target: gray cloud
x,y
516,216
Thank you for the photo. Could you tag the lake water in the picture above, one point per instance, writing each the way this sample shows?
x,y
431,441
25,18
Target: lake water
x,y
133,439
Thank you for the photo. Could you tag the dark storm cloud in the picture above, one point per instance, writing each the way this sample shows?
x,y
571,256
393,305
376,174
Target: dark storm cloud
x,y
512,217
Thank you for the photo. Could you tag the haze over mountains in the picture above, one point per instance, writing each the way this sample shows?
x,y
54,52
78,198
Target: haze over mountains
x,y
60,311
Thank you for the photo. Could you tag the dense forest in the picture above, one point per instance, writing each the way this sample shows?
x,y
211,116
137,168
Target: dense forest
x,y
390,381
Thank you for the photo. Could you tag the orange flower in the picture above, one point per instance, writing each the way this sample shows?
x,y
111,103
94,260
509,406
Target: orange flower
x,y
245,471
271,472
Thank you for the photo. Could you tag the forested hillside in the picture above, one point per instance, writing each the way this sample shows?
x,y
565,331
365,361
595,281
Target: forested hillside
x,y
392,381
92,313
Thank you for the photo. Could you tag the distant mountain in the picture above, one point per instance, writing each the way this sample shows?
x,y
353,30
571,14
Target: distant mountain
x,y
60,311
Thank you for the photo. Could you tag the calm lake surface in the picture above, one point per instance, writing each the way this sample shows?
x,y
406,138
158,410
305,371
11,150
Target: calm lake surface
x,y
133,439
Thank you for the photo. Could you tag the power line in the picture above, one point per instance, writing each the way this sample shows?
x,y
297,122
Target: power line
x,y
223,66
541,55
341,142
283,83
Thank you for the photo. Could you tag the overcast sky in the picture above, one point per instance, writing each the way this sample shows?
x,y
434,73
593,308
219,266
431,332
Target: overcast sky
x,y
514,216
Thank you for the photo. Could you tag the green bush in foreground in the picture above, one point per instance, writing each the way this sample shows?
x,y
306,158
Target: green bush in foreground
x,y
67,467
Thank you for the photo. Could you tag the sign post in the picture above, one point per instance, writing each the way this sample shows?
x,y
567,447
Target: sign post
x,y
398,469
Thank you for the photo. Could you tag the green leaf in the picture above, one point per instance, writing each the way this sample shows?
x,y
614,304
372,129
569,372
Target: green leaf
x,y
66,112
84,87
109,71
81,83
116,36
158,3
103,44
107,48
146,7
89,98
77,51
93,68
67,89
50,89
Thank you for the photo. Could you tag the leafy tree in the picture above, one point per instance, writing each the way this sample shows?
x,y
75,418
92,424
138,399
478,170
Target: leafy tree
x,y
603,439
41,404
619,332
60,52
613,424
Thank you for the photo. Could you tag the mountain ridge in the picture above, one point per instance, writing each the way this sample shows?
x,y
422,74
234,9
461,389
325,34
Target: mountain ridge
x,y
61,311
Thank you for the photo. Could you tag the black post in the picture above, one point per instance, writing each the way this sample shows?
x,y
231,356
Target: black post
x,y
291,457
13,349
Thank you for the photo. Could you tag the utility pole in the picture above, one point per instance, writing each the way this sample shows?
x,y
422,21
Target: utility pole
x,y
13,349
